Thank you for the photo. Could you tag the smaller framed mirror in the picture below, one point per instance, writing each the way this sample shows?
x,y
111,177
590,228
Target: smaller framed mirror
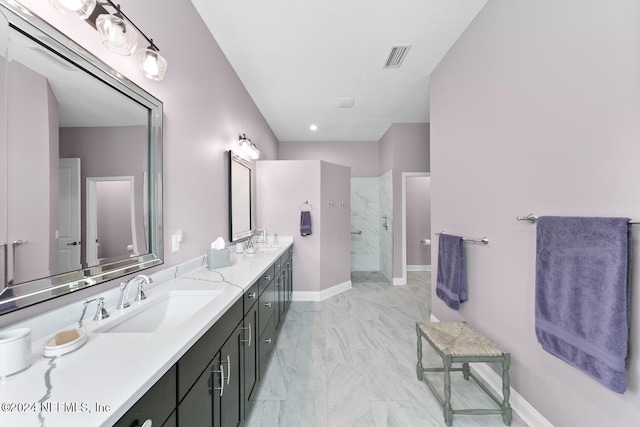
x,y
240,198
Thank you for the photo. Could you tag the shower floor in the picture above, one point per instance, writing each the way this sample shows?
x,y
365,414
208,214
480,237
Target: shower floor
x,y
368,276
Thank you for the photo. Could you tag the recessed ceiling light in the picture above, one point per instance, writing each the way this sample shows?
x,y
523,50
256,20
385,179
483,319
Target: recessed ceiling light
x,y
313,127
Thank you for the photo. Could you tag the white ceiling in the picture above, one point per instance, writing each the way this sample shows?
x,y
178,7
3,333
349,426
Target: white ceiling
x,y
296,57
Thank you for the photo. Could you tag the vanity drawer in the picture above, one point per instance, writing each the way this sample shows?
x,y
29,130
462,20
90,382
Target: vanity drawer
x,y
251,296
267,306
267,343
266,278
156,404
191,365
283,259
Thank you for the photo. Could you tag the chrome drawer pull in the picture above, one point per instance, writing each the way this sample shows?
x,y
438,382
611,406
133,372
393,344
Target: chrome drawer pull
x,y
267,277
251,295
221,372
249,340
267,304
267,341
228,362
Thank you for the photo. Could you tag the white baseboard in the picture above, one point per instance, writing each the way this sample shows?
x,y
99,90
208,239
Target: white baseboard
x,y
321,295
399,281
418,268
519,404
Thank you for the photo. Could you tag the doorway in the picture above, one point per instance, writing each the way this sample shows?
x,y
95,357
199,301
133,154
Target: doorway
x,y
416,222
111,228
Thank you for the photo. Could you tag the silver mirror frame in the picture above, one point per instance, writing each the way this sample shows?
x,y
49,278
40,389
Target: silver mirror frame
x,y
40,290
237,234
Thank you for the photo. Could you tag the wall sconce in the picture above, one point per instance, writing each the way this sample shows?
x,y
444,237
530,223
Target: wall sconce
x,y
118,32
248,147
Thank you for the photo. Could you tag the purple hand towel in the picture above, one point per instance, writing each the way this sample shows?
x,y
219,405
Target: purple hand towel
x,y
305,223
451,286
582,294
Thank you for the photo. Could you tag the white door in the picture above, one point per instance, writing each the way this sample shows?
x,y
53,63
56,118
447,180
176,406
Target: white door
x,y
69,216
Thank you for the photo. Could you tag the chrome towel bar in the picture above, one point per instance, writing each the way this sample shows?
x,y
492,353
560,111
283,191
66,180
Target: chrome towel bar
x,y
483,240
532,218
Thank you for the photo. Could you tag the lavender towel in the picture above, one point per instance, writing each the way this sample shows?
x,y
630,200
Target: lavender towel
x,y
582,294
305,223
451,286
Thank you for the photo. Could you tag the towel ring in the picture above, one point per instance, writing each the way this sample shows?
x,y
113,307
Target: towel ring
x,y
305,204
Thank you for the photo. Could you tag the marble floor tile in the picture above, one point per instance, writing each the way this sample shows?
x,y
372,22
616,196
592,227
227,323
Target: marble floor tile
x,y
350,360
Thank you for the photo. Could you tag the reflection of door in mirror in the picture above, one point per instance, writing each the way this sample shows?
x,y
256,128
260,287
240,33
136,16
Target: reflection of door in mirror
x,y
32,171
111,219
59,120
59,101
69,242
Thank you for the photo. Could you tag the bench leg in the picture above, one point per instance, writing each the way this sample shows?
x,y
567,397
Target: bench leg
x,y
419,368
465,371
446,407
506,390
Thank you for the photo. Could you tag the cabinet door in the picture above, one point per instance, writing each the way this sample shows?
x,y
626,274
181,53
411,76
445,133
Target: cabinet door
x,y
250,349
266,344
231,361
197,408
281,289
156,404
289,280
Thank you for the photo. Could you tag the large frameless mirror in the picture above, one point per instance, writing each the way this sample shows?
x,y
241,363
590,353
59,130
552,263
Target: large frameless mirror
x,y
80,166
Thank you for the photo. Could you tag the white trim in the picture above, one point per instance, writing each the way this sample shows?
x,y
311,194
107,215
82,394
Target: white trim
x,y
321,295
418,268
525,411
519,404
399,281
404,219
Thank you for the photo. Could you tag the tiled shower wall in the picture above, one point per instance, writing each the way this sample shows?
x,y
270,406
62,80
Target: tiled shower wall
x,y
365,217
371,199
386,235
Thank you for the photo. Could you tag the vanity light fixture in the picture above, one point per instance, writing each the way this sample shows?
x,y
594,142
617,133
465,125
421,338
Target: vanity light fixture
x,y
79,9
118,32
248,147
115,34
151,64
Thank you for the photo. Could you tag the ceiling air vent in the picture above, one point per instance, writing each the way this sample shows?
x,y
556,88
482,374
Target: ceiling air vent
x,y
396,56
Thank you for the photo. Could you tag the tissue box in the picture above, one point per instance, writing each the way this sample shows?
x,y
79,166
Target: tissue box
x,y
218,258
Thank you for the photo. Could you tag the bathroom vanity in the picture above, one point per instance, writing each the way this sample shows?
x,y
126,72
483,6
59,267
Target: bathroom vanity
x,y
201,370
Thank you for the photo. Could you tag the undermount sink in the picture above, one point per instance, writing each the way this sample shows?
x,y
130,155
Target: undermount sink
x,y
164,314
268,248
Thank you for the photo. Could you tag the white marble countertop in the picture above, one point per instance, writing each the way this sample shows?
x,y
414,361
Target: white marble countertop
x,y
98,383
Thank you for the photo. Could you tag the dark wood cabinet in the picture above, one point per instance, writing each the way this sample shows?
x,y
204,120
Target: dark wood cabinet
x,y
197,409
251,355
232,363
213,383
156,405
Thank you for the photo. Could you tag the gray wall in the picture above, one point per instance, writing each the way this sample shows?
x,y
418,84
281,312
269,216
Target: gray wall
x,y
536,109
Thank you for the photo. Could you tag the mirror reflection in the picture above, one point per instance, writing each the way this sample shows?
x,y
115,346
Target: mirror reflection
x,y
79,176
79,131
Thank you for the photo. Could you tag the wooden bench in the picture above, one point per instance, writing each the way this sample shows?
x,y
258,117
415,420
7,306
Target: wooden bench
x,y
458,342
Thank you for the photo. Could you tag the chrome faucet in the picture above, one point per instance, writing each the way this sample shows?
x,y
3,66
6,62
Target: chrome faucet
x,y
124,290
